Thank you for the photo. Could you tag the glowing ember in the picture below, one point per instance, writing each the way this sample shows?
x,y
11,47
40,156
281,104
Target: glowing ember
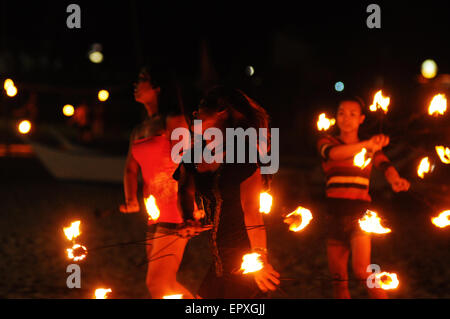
x,y
173,297
73,231
387,280
380,102
443,220
444,154
77,252
323,123
151,207
424,167
360,159
100,293
298,219
251,263
371,223
438,105
24,127
265,203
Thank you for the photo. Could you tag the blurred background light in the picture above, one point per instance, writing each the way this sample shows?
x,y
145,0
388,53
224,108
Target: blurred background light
x,y
103,95
339,86
429,69
68,110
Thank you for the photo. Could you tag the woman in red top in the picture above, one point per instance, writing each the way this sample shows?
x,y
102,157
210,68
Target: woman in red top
x,y
149,153
347,191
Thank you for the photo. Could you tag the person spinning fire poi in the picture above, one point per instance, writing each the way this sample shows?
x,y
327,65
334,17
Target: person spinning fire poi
x,y
347,192
149,153
229,193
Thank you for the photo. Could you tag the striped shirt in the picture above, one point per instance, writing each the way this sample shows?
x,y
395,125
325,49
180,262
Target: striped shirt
x,y
343,178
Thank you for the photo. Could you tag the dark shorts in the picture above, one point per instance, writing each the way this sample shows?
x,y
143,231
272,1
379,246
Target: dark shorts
x,y
342,218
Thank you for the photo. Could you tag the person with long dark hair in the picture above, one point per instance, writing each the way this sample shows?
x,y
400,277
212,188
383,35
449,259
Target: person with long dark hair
x,y
149,153
229,192
347,192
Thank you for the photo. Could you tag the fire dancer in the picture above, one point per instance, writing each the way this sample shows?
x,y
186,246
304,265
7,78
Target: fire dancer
x,y
149,153
347,191
230,194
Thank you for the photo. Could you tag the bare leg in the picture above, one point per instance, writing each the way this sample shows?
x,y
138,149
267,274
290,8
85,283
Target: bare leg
x,y
165,256
338,254
361,260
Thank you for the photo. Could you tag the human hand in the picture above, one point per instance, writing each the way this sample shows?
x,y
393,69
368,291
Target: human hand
x,y
192,229
130,207
377,142
400,185
267,278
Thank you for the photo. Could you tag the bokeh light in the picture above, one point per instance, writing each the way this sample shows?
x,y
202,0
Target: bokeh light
x,y
249,70
8,83
11,91
24,127
68,110
339,86
103,95
429,69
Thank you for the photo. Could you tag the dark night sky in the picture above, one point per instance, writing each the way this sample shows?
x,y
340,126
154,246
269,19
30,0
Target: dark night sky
x,y
298,50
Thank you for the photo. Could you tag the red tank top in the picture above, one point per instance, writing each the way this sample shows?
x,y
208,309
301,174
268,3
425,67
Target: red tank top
x,y
157,168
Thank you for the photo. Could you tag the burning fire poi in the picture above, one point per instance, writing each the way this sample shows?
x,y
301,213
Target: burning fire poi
x,y
438,105
443,220
179,296
323,123
424,167
101,293
360,159
251,263
379,102
265,203
371,223
73,231
387,280
77,252
152,208
443,153
298,219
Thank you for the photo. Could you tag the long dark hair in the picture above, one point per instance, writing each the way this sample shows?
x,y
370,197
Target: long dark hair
x,y
170,100
250,113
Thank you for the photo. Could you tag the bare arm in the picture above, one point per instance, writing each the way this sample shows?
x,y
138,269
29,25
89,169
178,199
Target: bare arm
x,y
342,152
130,184
266,278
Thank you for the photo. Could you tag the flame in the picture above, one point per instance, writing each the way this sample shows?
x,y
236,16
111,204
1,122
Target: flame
x,y
151,207
370,223
251,263
298,219
265,203
438,105
387,280
100,293
444,154
77,252
180,296
380,102
323,123
443,220
73,231
360,159
424,167
24,127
